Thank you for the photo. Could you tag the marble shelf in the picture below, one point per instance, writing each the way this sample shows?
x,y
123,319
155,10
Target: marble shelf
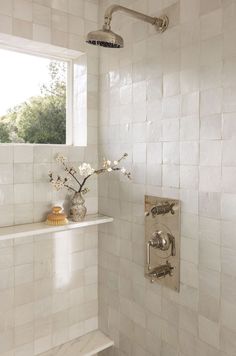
x,y
17,231
86,345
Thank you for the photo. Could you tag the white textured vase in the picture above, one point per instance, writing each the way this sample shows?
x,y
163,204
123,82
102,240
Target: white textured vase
x,y
78,210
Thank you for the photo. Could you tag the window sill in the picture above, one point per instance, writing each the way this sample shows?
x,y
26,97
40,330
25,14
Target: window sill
x,y
19,231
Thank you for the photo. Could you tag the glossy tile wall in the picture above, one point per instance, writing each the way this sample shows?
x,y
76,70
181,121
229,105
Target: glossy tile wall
x,y
48,284
25,195
48,291
169,102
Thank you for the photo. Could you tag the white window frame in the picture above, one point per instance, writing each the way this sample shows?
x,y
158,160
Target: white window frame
x,y
76,97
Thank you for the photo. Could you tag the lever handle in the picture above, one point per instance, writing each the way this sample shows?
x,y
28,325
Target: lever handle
x,y
148,252
172,241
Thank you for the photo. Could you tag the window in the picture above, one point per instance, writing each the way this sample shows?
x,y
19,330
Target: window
x,y
33,98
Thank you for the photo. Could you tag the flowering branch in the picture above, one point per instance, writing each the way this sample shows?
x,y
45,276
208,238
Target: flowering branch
x,y
85,171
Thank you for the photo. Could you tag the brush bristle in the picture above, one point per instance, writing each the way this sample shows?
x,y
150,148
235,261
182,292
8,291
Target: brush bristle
x,y
56,223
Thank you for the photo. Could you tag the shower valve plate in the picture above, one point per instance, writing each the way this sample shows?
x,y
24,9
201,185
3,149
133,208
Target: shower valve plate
x,y
165,218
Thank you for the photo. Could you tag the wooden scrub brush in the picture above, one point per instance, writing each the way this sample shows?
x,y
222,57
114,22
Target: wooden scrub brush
x,y
56,217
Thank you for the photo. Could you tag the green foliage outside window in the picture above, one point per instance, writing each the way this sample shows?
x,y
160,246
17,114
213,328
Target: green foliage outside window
x,y
41,119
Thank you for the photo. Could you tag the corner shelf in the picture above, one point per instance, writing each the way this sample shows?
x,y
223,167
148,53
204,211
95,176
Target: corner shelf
x,y
86,345
17,231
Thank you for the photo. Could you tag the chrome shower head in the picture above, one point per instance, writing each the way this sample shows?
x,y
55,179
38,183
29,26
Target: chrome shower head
x,y
106,38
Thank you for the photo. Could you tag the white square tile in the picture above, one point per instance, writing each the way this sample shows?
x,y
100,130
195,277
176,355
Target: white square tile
x,y
41,172
209,331
189,80
210,127
189,250
211,5
154,174
228,204
6,173
22,10
189,153
6,194
42,192
170,130
211,75
6,154
22,28
170,176
23,154
228,179
23,173
23,193
6,7
154,153
209,255
211,24
23,213
229,95
211,50
139,153
190,33
41,15
228,315
171,84
210,102
189,10
189,274
189,177
59,20
209,230
171,107
206,183
189,128
190,56
189,199
229,126
6,24
209,204
210,153
228,158
228,260
171,152
190,104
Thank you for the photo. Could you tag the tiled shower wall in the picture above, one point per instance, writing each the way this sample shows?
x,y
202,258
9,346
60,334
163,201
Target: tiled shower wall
x,y
25,195
48,284
169,101
48,291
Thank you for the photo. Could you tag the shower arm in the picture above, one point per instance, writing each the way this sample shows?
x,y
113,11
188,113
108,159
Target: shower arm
x,y
160,22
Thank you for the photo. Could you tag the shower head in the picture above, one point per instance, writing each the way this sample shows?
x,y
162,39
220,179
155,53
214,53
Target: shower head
x,y
106,38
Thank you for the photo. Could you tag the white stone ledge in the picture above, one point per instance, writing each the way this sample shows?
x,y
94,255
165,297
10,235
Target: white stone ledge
x,y
18,231
86,345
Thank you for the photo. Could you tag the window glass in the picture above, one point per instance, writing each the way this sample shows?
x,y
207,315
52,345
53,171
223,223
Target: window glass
x,y
32,99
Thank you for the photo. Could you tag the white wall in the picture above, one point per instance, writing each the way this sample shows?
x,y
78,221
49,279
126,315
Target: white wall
x,y
169,101
25,195
48,284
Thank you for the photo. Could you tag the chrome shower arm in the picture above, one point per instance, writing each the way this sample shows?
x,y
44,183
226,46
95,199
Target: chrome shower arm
x,y
138,15
160,22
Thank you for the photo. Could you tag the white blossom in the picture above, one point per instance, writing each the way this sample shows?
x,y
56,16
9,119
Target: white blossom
x,y
60,158
57,184
85,170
